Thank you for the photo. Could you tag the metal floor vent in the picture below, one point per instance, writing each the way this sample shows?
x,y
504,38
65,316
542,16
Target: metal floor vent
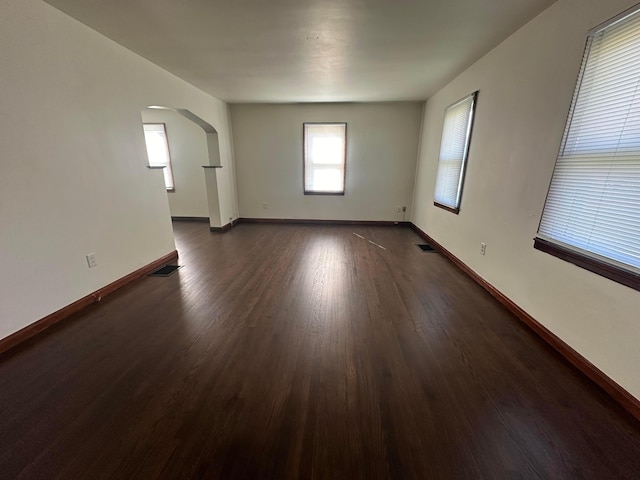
x,y
425,247
165,271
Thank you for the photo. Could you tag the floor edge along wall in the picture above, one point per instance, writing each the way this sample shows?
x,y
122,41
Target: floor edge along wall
x,y
617,392
38,326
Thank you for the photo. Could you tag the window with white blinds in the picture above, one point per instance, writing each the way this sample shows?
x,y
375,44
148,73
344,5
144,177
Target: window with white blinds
x,y
325,147
155,137
593,205
454,148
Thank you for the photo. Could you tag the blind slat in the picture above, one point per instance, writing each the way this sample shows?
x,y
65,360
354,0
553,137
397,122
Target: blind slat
x,y
593,202
454,146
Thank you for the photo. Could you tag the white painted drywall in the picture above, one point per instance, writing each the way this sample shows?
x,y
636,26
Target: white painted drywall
x,y
188,148
382,140
526,84
73,176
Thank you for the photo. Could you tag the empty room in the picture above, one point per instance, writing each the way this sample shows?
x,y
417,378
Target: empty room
x,y
320,239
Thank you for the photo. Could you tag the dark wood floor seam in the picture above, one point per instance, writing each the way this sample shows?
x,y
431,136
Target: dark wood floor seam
x,y
621,395
38,326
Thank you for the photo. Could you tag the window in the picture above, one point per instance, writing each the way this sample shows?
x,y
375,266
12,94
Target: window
x,y
454,148
592,213
155,136
325,151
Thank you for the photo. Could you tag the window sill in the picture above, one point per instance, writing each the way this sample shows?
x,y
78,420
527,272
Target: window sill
x,y
612,272
325,193
448,209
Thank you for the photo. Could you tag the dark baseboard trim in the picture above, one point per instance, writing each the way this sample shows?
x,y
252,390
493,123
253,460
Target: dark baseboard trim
x,y
40,325
190,219
310,221
225,228
617,392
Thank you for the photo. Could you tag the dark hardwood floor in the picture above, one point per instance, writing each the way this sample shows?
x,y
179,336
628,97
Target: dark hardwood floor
x,y
304,352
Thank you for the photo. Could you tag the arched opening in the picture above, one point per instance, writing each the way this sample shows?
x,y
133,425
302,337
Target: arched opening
x,y
193,147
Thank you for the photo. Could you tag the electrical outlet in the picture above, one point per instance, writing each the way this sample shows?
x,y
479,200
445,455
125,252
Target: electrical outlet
x,y
264,205
398,209
91,260
404,209
483,248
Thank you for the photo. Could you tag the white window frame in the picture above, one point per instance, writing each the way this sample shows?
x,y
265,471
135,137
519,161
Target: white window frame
x,y
157,162
309,167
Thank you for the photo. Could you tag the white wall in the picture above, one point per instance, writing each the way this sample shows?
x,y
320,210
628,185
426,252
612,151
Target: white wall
x,y
188,148
73,176
526,84
382,141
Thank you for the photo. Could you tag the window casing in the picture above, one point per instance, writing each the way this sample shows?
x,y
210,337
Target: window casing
x,y
454,150
325,155
155,136
591,215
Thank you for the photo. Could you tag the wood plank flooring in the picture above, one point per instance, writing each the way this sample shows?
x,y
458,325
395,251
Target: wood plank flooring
x,y
304,352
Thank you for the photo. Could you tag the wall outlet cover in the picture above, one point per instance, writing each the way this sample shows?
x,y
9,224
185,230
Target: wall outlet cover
x,y
91,260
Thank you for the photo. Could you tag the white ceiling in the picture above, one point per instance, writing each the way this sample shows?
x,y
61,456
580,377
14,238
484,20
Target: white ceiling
x,y
309,50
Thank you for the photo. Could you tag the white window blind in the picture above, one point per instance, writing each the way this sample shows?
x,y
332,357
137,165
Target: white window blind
x,y
155,136
454,147
593,204
324,157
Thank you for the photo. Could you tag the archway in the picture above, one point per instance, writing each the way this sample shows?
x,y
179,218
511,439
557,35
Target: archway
x,y
212,163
